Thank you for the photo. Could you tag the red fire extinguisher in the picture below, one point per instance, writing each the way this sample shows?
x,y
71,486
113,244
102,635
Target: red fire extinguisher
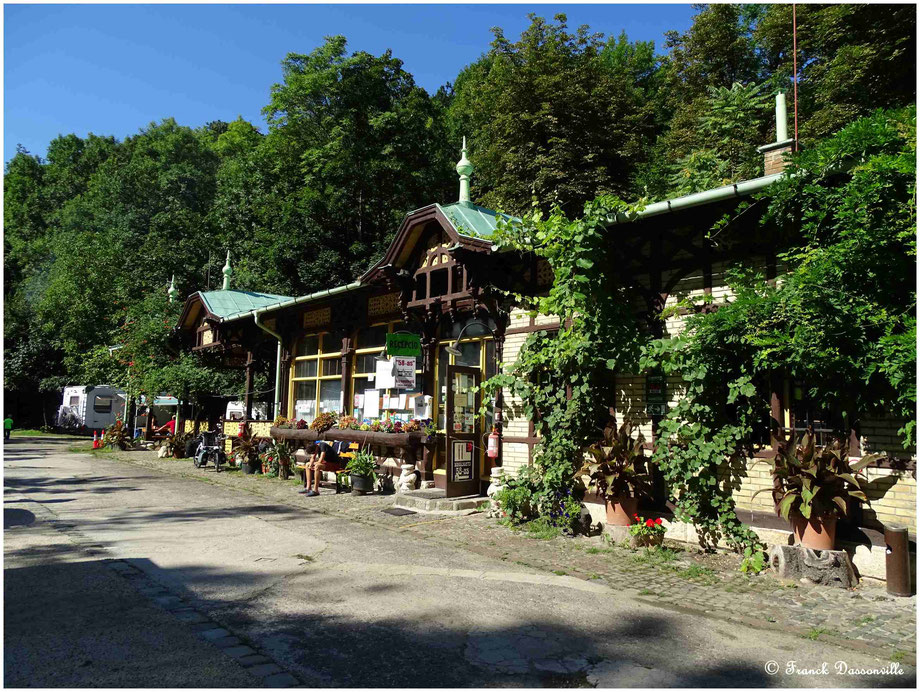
x,y
492,449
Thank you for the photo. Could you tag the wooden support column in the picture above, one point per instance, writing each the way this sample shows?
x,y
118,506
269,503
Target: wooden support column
x,y
250,366
347,394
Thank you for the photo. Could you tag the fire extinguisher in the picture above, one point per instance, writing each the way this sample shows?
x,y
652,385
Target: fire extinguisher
x,y
492,449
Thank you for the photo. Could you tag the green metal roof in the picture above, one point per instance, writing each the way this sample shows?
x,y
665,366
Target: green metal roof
x,y
226,304
471,220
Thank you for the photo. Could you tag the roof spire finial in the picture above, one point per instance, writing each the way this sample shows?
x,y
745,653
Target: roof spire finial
x,y
227,272
465,170
172,292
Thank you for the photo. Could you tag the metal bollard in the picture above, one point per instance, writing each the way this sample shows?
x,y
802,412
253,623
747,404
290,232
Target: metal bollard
x,y
897,561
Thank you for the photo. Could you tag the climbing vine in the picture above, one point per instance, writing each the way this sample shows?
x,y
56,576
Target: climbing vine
x,y
565,378
841,319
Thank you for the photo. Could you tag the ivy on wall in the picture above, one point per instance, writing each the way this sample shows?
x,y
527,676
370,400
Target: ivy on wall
x,y
565,377
841,319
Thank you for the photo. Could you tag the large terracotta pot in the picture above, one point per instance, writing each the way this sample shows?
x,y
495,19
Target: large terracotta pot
x,y
620,510
817,533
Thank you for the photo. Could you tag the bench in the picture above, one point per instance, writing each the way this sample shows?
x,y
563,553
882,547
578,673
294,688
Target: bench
x,y
342,481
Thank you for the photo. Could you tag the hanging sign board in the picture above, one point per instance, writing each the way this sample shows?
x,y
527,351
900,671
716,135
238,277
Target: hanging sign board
x,y
656,397
404,345
404,372
462,460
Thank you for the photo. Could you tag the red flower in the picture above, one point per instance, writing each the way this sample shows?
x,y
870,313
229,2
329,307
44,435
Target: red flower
x,y
649,522
636,517
658,521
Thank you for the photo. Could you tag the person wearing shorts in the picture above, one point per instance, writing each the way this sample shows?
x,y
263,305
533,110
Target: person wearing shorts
x,y
324,458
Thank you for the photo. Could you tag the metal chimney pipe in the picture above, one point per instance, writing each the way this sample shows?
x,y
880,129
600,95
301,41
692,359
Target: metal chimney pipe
x,y
782,130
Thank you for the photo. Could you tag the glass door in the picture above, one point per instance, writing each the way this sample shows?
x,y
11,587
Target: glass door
x,y
462,430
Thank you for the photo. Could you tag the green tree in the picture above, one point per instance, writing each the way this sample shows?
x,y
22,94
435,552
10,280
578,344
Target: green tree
x,y
363,140
853,59
556,116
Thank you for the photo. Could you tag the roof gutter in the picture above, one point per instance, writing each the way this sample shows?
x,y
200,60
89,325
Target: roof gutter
x,y
745,187
260,312
319,295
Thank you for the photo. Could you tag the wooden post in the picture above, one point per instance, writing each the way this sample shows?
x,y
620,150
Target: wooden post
x,y
250,364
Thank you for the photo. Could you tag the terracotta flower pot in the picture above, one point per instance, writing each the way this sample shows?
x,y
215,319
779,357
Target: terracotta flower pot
x,y
620,510
817,533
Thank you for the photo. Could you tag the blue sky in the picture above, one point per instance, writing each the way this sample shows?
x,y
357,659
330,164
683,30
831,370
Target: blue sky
x,y
112,69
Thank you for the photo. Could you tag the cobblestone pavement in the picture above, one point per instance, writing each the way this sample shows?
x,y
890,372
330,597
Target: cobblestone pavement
x,y
864,618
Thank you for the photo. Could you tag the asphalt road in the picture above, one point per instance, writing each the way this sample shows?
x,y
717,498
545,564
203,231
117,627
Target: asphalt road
x,y
336,603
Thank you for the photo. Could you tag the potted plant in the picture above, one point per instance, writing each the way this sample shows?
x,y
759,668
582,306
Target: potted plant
x,y
362,470
324,421
646,532
814,485
116,436
177,441
618,472
246,450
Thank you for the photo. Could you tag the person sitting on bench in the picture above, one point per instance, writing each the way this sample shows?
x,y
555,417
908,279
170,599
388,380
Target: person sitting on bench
x,y
324,457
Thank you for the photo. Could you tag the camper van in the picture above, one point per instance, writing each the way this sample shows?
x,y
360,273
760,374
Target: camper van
x,y
90,407
236,410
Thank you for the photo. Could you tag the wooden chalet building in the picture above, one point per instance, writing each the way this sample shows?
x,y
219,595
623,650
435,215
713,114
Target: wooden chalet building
x,y
440,279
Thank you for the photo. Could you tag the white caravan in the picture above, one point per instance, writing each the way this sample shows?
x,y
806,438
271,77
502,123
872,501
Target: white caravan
x,y
90,407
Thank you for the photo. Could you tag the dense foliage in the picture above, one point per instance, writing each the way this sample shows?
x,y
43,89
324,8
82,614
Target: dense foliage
x,y
565,377
97,226
842,318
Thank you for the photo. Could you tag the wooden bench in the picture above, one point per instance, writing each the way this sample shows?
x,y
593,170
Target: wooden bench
x,y
342,481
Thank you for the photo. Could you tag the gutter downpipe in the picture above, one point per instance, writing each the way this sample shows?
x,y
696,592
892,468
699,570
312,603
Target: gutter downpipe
x,y
277,403
256,314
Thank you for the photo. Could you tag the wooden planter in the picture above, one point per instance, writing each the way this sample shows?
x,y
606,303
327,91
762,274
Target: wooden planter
x,y
362,437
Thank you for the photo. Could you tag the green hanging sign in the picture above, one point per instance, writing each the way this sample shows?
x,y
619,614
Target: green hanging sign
x,y
404,345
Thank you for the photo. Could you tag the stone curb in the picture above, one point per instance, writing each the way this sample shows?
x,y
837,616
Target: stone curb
x,y
236,648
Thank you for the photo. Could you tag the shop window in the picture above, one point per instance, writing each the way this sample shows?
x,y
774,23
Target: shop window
x,y
102,404
372,337
308,346
317,375
305,368
399,403
332,366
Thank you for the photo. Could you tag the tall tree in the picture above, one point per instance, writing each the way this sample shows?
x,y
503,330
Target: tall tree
x,y
556,116
365,142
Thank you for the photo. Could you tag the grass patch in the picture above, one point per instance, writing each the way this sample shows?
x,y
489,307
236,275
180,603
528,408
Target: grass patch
x,y
542,530
559,572
659,555
646,592
865,620
593,575
815,632
695,572
898,656
305,558
597,551
31,432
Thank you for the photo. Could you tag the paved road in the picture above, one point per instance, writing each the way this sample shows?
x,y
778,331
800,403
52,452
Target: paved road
x,y
336,603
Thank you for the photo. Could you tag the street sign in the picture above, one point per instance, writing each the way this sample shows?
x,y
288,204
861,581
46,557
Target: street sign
x,y
656,396
404,345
